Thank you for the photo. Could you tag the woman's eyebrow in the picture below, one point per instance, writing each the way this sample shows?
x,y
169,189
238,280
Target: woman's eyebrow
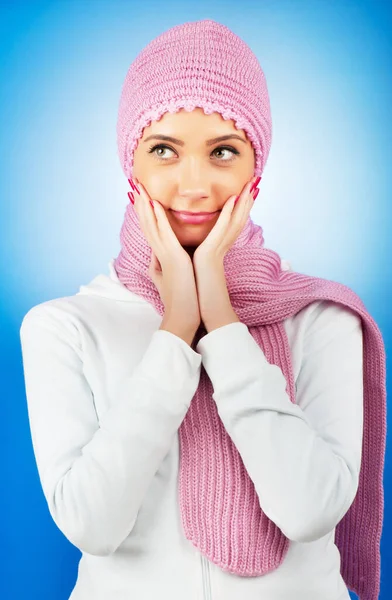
x,y
221,138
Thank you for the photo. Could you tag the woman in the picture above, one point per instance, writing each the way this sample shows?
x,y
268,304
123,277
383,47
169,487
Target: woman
x,y
206,423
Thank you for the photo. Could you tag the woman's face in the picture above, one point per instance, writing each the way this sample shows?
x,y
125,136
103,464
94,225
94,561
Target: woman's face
x,y
193,173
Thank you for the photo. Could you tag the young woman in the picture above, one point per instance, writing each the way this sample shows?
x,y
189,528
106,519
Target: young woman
x,y
207,424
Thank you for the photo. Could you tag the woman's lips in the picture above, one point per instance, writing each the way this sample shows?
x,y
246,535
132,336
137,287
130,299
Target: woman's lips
x,y
194,219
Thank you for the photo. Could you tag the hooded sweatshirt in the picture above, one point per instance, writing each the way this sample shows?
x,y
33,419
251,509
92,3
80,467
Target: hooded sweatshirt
x,y
106,393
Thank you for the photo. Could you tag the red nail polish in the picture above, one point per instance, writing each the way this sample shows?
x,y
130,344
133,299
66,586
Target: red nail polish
x,y
131,197
236,200
255,194
255,183
133,185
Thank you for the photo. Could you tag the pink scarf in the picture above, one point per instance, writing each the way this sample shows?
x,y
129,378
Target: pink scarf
x,y
262,296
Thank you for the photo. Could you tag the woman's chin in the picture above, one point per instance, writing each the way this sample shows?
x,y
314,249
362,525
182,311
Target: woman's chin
x,y
191,235
189,244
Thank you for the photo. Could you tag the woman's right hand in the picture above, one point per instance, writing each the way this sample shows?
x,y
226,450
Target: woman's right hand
x,y
171,267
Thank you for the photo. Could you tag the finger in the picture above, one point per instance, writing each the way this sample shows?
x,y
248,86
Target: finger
x,y
164,226
162,235
243,199
219,231
143,203
147,218
243,205
156,216
227,210
234,213
156,265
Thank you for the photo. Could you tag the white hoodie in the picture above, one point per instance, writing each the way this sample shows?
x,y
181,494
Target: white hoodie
x,y
106,393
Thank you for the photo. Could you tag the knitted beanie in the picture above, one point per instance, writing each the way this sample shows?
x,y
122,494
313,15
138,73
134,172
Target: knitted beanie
x,y
197,64
204,64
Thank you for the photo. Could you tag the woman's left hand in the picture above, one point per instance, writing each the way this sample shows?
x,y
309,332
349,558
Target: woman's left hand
x,y
227,228
213,296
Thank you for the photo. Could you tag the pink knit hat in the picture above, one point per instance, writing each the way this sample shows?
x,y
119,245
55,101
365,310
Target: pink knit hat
x,y
203,64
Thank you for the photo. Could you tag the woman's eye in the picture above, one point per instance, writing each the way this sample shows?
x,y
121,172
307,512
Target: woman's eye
x,y
158,147
220,149
229,149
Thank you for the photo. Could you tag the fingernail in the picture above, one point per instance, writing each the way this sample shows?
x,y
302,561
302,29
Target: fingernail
x,y
256,192
131,197
236,200
152,204
133,184
255,183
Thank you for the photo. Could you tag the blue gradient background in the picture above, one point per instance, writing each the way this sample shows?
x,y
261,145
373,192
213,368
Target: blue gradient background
x,y
324,204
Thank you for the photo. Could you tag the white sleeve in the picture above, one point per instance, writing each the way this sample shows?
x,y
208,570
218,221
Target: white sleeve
x,y
304,459
94,475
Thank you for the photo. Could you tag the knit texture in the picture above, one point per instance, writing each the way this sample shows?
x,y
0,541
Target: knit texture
x,y
220,510
197,64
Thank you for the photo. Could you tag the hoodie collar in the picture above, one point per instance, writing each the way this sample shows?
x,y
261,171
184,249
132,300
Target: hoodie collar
x,y
109,286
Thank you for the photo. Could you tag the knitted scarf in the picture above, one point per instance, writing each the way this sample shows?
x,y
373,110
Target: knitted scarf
x,y
220,509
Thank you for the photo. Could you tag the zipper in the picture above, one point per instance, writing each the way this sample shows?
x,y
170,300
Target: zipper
x,y
205,570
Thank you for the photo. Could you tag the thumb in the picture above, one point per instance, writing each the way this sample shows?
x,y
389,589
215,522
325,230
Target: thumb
x,y
155,266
